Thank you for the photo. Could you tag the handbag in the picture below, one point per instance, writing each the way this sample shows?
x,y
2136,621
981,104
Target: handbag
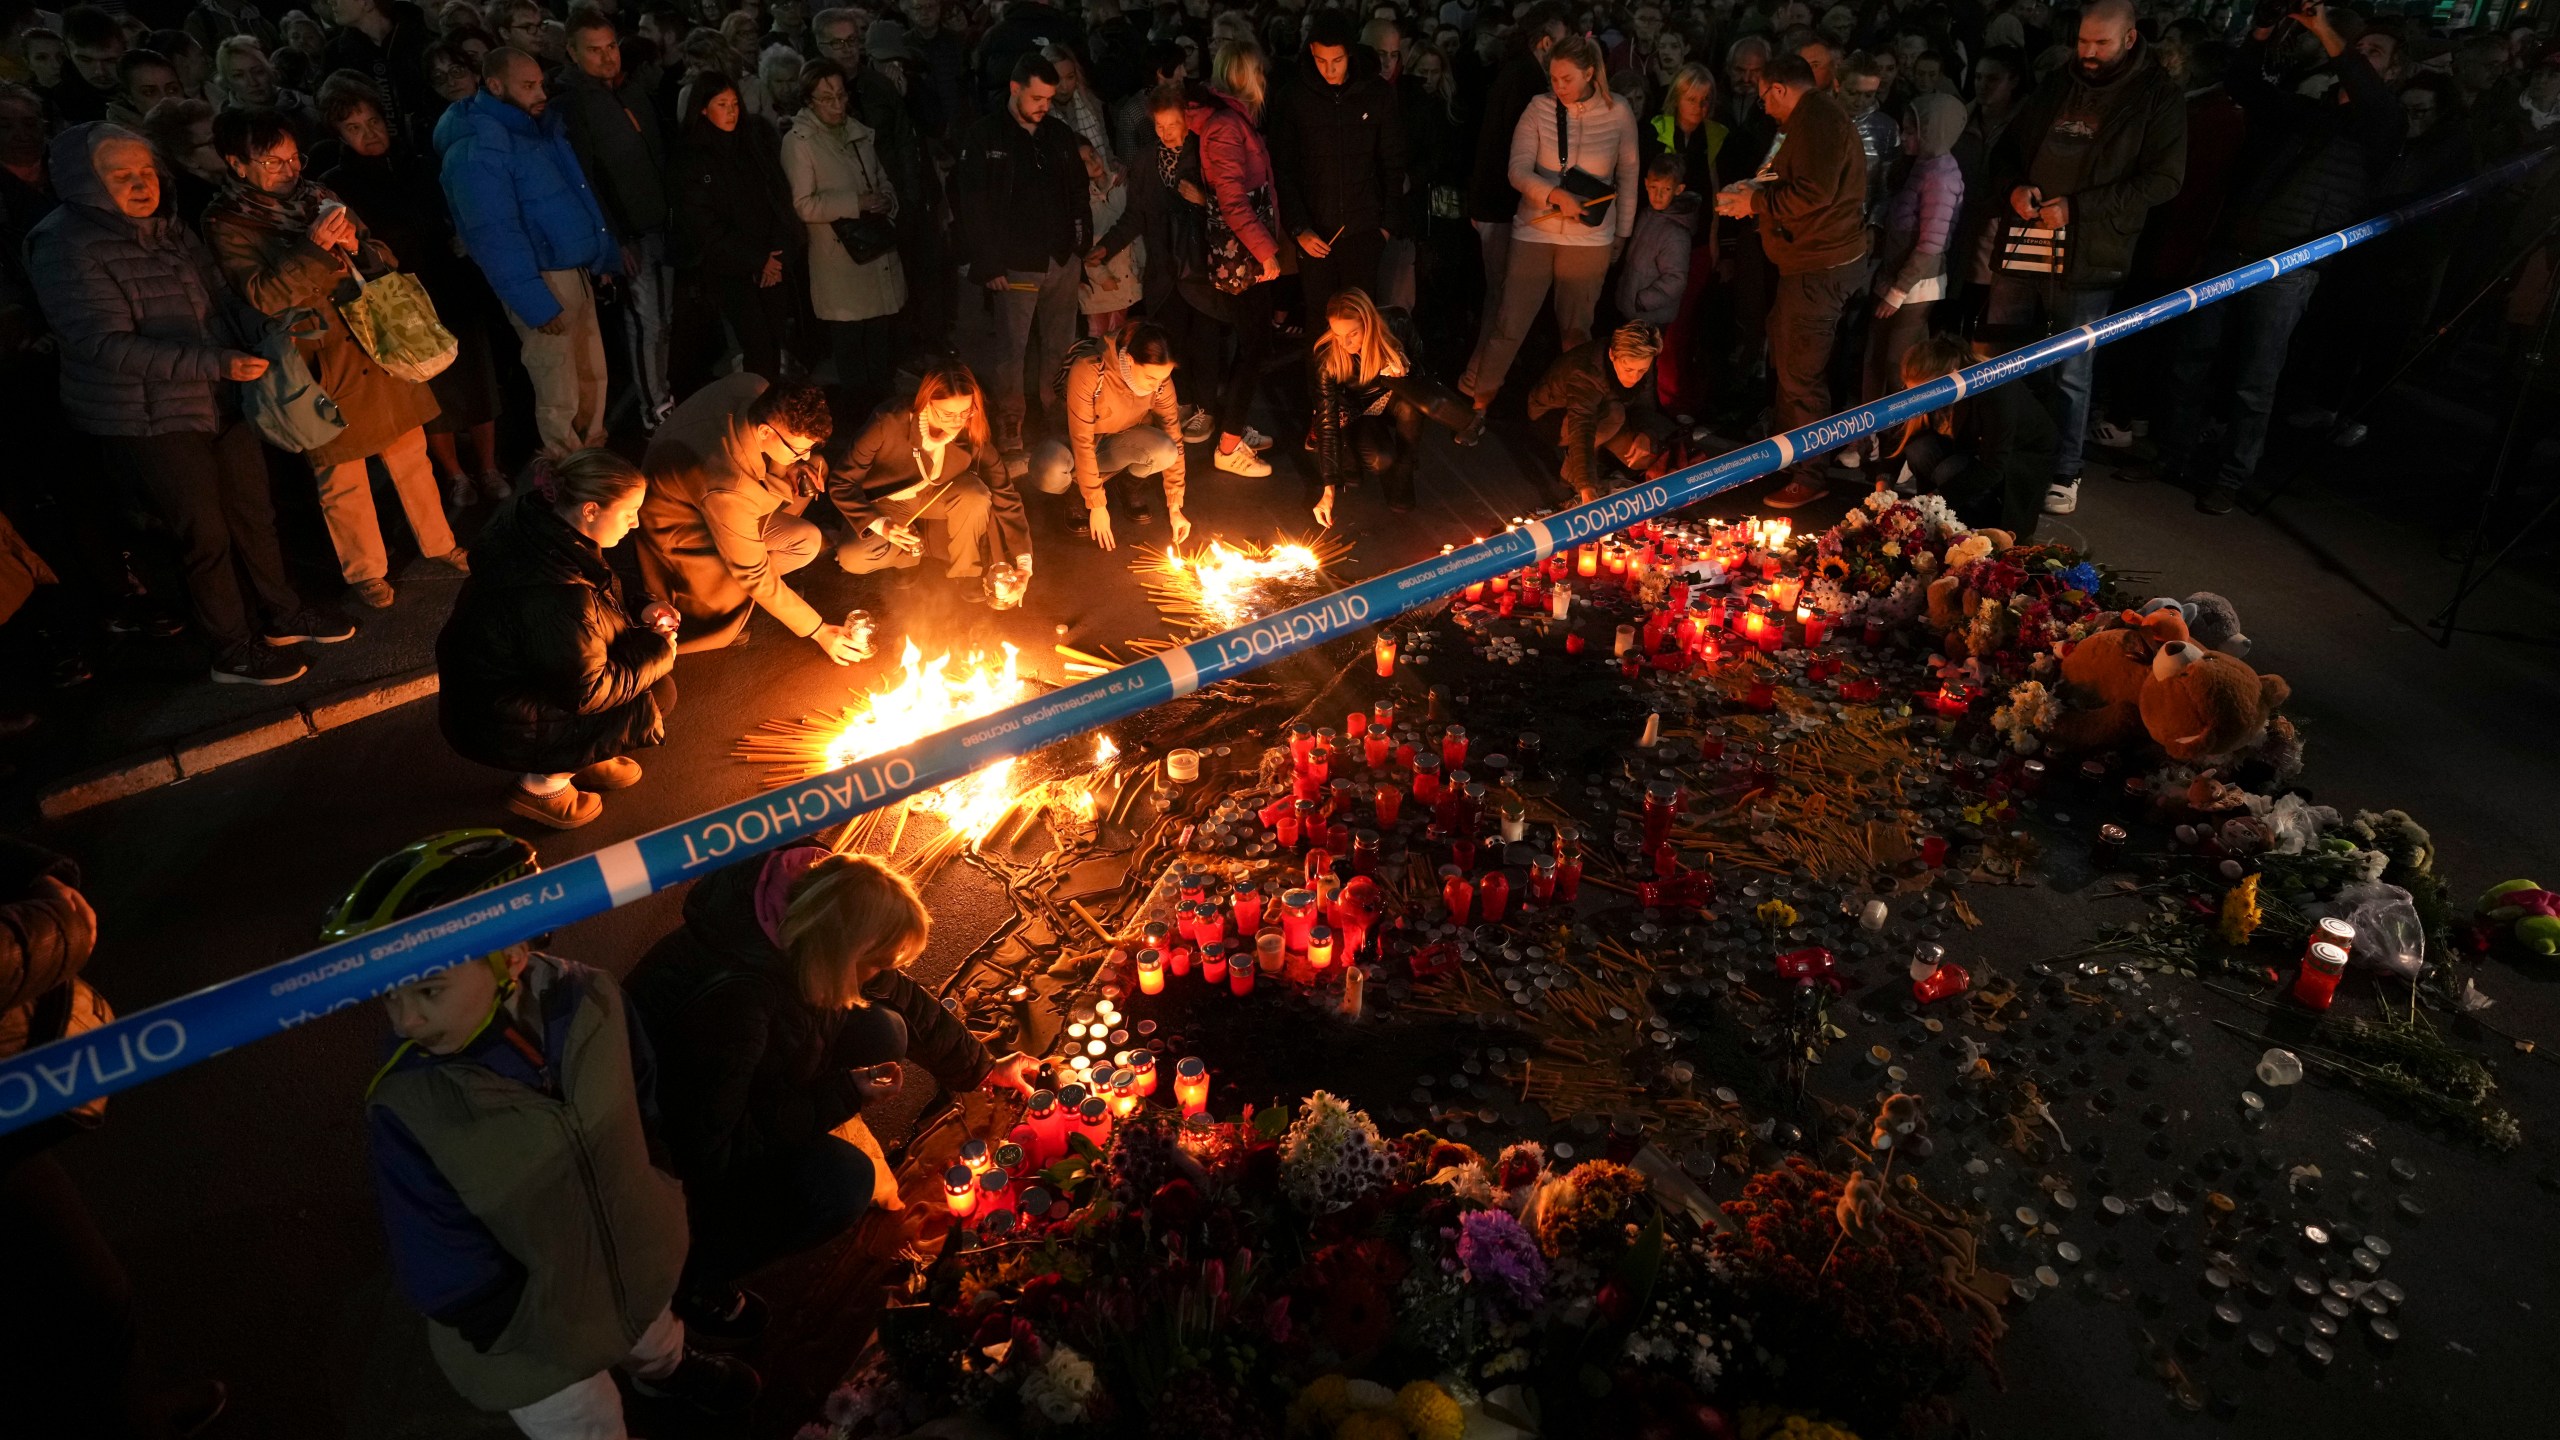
x,y
287,405
1595,193
395,320
2033,250
865,237
1233,267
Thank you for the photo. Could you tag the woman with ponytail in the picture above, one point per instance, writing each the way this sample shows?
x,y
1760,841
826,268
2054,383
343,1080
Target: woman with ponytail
x,y
547,670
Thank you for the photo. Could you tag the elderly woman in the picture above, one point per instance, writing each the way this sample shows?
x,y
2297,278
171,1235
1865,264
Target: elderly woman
x,y
293,250
780,1011
548,671
832,162
150,362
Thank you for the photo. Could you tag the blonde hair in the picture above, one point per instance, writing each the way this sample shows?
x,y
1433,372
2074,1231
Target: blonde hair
x,y
851,918
1237,71
1583,51
1635,340
1929,357
1692,76
1373,349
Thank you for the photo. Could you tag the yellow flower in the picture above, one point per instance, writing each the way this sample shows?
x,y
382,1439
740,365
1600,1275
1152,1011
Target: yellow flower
x,y
1370,1425
1322,1404
2240,913
1430,1412
1776,914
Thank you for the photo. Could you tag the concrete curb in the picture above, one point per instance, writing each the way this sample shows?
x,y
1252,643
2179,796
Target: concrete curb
x,y
193,755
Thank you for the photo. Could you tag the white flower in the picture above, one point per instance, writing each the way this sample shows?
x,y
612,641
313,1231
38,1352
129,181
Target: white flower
x,y
1879,502
1062,1388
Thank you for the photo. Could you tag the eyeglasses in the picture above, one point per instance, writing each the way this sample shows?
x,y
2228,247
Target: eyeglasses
x,y
798,452
273,165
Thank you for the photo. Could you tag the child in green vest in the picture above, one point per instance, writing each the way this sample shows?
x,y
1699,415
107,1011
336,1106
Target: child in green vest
x,y
509,1134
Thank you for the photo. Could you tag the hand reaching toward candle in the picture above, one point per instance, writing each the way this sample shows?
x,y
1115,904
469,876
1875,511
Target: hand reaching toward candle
x,y
879,1082
1013,1071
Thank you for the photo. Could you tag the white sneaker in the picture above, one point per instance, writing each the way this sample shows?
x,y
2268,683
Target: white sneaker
x,y
1242,461
2111,436
1198,426
2062,498
1255,439
1850,456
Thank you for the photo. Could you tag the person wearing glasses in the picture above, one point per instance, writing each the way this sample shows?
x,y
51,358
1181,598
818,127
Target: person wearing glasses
x,y
291,248
730,472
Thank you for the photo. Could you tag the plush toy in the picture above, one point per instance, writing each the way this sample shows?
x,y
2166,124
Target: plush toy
x,y
2532,913
2150,679
1952,602
2212,621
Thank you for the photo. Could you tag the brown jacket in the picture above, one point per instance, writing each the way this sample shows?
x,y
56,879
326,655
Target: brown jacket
x,y
712,495
1813,207
281,270
1099,402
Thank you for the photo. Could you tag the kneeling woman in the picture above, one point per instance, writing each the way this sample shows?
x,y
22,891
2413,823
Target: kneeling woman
x,y
779,1011
1370,405
1987,453
547,673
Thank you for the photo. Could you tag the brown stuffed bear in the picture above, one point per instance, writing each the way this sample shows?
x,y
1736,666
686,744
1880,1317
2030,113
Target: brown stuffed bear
x,y
2103,677
1952,602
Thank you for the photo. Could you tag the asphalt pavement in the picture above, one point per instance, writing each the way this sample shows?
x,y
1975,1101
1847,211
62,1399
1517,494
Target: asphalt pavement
x,y
236,1192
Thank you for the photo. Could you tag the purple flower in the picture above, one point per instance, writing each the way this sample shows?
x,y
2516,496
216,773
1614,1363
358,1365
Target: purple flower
x,y
1502,1257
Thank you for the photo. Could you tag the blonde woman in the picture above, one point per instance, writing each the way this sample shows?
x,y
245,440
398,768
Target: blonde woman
x,y
779,1011
1688,132
1573,160
1236,166
1369,405
832,161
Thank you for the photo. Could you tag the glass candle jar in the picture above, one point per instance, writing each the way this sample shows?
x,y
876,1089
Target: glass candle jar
x,y
2316,983
1453,747
1319,947
1191,1085
1248,909
1386,655
1456,893
1270,952
1297,917
1390,800
1142,1063
1150,972
1426,778
995,1192
960,1191
1213,967
1493,896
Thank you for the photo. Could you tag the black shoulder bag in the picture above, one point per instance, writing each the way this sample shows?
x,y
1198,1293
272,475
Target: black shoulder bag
x,y
1594,192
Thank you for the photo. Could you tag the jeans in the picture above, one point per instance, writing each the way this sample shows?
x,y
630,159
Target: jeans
x,y
793,1199
567,368
2251,331
1574,272
592,1408
355,531
652,308
1142,449
1804,320
962,508
210,489
1028,331
2046,302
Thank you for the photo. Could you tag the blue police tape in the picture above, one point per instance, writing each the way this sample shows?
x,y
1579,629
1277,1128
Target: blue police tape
x,y
50,1080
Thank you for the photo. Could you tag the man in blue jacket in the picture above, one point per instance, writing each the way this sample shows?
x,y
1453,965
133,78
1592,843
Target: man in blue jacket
x,y
525,213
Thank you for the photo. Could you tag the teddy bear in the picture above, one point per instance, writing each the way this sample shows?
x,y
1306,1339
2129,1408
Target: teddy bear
x,y
1951,601
2150,679
2212,621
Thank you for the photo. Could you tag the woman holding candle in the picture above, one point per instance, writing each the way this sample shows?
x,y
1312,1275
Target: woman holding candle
x,y
778,1011
1369,405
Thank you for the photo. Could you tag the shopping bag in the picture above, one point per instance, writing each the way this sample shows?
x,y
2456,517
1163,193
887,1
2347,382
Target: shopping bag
x,y
395,322
286,404
2034,250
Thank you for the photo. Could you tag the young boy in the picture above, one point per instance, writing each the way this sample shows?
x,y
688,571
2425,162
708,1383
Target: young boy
x,y
509,1141
1657,263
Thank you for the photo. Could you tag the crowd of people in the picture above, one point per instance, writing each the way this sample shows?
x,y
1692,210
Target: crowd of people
x,y
1109,228
746,283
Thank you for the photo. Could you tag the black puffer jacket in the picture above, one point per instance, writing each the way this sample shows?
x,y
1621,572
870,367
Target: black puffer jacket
x,y
2308,164
1490,197
746,1067
1340,402
733,204
1338,151
543,670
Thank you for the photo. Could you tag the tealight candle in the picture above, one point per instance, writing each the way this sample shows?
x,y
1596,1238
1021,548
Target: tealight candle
x,y
1142,1063
1182,766
1386,656
1150,973
1319,947
960,1191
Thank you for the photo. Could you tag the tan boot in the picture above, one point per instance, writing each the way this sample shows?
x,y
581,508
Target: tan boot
x,y
619,772
566,809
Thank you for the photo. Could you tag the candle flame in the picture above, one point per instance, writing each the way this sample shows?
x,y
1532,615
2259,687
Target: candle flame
x,y
1236,585
932,696
1104,752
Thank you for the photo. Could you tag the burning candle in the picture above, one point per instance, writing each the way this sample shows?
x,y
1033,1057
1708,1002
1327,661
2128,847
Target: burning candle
x,y
995,1193
976,1156
1456,893
1587,561
1319,947
1182,766
1453,747
1815,626
1191,1085
1124,1094
1093,1121
1754,625
1047,1120
1213,967
1617,563
960,1191
1386,655
1297,917
1559,602
1493,896
1475,591
1150,973
1143,1064
1784,591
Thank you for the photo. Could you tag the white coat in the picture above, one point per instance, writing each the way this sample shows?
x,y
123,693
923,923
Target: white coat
x,y
832,171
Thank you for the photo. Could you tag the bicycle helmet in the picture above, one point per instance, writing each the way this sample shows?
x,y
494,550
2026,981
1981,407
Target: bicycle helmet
x,y
432,872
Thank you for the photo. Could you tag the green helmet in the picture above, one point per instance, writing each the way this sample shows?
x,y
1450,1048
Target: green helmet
x,y
435,870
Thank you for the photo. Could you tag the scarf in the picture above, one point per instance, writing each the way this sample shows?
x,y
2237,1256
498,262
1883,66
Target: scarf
x,y
293,211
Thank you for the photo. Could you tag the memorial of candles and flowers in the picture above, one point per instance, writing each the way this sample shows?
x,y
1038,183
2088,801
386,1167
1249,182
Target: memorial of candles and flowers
x,y
1627,1000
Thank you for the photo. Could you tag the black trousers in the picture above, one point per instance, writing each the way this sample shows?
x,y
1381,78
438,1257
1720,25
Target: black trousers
x,y
760,314
66,1309
1388,444
1222,383
1352,265
210,489
790,1200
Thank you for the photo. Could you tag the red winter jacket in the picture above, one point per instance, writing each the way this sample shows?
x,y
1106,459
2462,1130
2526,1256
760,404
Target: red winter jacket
x,y
1236,163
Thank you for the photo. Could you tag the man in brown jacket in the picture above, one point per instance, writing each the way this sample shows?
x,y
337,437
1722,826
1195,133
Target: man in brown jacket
x,y
729,473
1121,416
1810,199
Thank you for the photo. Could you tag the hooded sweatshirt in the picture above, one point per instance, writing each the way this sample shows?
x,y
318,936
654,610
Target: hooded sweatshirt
x,y
1920,219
